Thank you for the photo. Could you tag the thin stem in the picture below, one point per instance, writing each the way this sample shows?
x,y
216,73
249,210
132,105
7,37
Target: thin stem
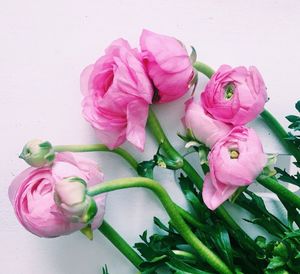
x,y
175,217
132,161
98,147
204,69
114,237
189,218
221,212
280,190
280,133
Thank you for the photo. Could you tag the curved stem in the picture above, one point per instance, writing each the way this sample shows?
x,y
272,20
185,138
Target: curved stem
x,y
114,237
280,133
204,69
98,147
189,218
221,212
175,217
280,190
131,160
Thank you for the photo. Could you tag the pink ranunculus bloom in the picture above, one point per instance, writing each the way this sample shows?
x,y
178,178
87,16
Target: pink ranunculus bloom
x,y
117,93
234,161
203,127
32,195
168,65
235,95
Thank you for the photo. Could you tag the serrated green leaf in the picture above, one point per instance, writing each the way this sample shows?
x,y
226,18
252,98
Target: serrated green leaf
x,y
158,223
255,205
285,177
276,262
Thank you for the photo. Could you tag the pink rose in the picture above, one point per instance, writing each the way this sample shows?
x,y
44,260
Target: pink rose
x,y
32,195
203,127
235,95
234,161
117,94
168,65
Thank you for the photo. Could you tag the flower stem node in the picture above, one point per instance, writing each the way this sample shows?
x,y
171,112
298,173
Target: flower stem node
x,y
38,153
71,197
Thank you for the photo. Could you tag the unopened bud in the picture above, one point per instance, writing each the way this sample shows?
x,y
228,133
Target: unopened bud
x,y
71,197
38,153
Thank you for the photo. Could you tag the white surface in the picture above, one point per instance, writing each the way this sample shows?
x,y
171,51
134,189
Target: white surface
x,y
45,45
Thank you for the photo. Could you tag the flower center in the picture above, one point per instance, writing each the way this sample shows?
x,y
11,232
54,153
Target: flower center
x,y
234,154
228,91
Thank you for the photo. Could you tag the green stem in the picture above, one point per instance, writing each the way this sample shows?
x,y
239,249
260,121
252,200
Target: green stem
x,y
98,147
221,212
131,160
121,244
189,218
280,190
175,217
280,133
204,69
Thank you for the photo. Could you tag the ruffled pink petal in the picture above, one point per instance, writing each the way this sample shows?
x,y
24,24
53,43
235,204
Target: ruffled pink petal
x,y
213,197
137,114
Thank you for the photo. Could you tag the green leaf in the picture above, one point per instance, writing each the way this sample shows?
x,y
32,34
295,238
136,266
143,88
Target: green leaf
x,y
255,205
183,268
292,118
292,212
285,177
222,242
158,223
105,270
193,198
298,106
145,169
294,234
276,262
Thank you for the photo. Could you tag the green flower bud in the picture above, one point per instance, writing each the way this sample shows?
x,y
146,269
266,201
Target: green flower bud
x,y
38,153
71,197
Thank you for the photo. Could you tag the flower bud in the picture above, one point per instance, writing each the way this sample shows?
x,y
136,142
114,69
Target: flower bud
x,y
38,153
71,197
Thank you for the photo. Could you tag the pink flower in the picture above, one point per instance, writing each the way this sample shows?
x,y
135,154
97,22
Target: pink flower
x,y
168,65
234,161
235,95
32,195
203,127
117,94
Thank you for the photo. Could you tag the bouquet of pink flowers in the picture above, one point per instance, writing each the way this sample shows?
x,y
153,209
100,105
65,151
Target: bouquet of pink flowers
x,y
62,192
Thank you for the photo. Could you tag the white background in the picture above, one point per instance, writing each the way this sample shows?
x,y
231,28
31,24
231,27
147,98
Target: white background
x,y
44,46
